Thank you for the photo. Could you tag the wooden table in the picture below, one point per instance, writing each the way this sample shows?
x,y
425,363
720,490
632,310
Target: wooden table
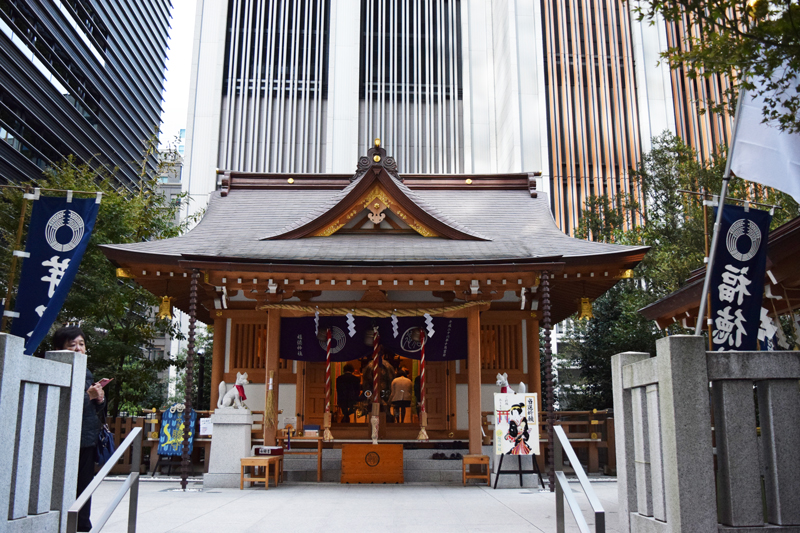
x,y
283,441
262,461
475,459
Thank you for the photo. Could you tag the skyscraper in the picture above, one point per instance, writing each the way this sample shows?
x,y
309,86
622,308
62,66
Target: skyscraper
x,y
82,78
572,89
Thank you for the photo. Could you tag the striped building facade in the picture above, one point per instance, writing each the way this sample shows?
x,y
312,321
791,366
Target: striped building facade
x,y
82,78
571,88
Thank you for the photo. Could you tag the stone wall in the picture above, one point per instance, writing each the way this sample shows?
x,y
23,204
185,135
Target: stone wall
x,y
664,431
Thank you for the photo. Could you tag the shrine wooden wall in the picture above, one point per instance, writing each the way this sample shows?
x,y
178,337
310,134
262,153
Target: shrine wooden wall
x,y
504,335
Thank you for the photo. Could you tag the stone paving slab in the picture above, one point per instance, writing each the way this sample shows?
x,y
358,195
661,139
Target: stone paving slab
x,y
334,508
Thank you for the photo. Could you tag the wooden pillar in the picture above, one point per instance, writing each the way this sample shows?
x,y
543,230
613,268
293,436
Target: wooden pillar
x,y
218,358
474,379
273,354
534,359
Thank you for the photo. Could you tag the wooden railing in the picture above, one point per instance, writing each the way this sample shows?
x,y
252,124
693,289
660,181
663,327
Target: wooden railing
x,y
588,431
122,427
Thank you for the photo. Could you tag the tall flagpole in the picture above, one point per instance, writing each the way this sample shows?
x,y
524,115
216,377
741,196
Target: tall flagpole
x,y
13,269
726,178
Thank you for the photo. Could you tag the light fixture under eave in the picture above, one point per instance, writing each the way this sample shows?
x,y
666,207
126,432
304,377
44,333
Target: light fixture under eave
x,y
585,309
165,308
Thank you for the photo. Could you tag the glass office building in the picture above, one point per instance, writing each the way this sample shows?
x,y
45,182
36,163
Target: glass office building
x,y
82,78
572,89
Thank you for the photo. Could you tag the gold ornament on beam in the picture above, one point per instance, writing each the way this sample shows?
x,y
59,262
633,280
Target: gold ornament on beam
x,y
585,309
165,308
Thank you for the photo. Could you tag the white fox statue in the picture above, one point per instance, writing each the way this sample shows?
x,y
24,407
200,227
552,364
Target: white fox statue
x,y
502,382
233,398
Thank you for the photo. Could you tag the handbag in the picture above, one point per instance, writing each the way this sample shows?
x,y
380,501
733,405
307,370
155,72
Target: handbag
x,y
105,446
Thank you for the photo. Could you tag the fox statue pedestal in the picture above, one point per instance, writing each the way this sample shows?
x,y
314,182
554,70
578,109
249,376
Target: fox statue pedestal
x,y
230,442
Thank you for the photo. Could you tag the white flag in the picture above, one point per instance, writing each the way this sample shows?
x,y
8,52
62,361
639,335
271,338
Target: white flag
x,y
764,154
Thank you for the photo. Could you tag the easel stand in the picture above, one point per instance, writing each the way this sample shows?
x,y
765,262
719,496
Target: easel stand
x,y
167,460
519,470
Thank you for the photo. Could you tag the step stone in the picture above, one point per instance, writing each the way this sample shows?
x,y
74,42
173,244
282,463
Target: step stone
x,y
432,476
418,466
427,454
432,464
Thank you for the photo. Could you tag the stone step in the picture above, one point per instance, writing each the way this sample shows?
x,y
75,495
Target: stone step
x,y
409,476
310,476
302,463
432,476
418,466
431,464
311,459
427,454
311,464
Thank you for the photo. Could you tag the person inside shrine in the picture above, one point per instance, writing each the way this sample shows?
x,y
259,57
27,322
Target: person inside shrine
x,y
386,375
401,395
348,388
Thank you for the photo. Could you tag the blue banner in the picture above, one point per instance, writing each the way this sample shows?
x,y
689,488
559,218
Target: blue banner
x,y
300,342
58,234
737,281
173,431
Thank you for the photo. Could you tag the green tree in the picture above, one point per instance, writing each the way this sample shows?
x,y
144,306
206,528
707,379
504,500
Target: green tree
x,y
589,344
117,315
749,41
673,224
204,344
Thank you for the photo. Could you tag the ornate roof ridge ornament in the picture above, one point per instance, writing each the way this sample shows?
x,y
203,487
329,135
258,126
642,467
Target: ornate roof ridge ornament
x,y
376,157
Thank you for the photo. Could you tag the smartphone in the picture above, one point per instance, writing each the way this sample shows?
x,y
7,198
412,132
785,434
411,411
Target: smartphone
x,y
105,381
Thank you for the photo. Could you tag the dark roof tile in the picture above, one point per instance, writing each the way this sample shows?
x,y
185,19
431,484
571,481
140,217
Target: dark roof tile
x,y
517,227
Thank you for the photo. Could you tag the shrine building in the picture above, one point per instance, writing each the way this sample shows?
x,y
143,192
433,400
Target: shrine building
x,y
476,262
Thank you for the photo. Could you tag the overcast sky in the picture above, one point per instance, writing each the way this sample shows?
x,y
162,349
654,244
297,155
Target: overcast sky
x,y
179,62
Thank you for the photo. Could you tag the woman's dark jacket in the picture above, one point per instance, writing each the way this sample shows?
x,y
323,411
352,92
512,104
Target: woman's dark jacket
x,y
90,427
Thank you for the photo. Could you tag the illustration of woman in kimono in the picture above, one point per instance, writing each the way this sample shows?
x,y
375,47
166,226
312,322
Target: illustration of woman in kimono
x,y
518,431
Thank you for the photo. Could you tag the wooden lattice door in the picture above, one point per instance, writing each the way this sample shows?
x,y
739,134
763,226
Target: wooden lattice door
x,y
437,395
315,393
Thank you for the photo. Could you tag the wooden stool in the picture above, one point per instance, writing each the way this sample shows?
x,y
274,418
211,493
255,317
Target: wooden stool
x,y
475,459
262,461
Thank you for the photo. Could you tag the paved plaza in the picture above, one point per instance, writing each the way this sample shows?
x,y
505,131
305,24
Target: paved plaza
x,y
332,508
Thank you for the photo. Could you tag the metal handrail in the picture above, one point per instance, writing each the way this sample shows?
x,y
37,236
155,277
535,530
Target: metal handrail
x,y
563,491
134,442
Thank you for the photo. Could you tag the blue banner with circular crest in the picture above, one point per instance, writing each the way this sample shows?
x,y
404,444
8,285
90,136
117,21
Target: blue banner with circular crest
x,y
58,234
737,281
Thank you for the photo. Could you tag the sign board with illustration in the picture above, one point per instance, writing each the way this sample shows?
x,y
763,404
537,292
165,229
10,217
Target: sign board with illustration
x,y
516,428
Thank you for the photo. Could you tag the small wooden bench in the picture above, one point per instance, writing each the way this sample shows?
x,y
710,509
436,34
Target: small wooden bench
x,y
475,459
265,462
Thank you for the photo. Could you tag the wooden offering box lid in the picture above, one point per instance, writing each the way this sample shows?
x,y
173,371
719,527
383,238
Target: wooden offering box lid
x,y
269,450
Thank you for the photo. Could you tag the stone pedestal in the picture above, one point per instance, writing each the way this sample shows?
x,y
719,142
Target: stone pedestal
x,y
230,441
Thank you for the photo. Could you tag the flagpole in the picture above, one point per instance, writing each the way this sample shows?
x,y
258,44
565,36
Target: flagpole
x,y
715,239
13,268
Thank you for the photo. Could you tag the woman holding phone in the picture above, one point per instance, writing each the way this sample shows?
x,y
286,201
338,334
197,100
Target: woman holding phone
x,y
72,338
